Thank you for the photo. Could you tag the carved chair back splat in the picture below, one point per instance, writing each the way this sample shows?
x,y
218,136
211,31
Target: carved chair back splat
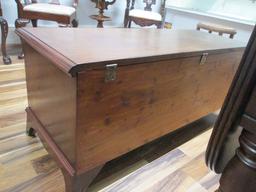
x,y
145,17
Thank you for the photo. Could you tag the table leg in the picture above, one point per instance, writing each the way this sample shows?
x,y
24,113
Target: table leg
x,y
240,173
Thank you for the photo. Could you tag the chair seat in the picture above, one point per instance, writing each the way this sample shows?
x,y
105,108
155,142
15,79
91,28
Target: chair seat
x,y
145,14
216,28
50,9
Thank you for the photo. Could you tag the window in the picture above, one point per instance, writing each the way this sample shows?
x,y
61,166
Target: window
x,y
243,10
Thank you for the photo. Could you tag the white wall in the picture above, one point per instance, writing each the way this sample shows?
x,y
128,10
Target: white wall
x,y
86,8
186,20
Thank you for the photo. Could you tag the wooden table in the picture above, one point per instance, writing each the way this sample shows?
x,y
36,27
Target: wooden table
x,y
232,147
95,94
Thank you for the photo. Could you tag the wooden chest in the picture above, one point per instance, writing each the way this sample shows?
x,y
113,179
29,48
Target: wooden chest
x,y
95,94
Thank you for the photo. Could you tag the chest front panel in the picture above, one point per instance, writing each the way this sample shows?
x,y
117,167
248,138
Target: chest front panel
x,y
146,101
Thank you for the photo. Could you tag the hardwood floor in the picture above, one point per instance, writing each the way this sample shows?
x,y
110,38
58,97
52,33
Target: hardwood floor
x,y
161,166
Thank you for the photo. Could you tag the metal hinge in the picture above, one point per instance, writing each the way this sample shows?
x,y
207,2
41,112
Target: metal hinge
x,y
110,74
204,58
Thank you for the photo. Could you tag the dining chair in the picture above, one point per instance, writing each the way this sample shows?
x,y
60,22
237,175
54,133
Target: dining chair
x,y
145,17
52,11
31,10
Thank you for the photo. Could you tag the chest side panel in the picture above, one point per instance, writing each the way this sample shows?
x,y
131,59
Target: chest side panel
x,y
146,101
52,98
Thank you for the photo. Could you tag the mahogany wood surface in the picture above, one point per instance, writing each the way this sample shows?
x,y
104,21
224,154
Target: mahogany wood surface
x,y
251,107
143,102
91,121
52,97
90,48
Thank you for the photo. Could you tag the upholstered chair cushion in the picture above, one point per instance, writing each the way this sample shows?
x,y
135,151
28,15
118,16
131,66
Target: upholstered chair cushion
x,y
50,8
145,14
217,28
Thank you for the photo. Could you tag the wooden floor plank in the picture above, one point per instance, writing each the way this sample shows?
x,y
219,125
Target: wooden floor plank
x,y
10,109
22,153
50,182
154,171
210,181
12,86
13,118
12,75
178,182
196,168
198,144
12,130
16,142
12,94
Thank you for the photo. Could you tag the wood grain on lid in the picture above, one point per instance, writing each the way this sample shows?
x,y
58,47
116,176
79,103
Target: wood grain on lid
x,y
74,49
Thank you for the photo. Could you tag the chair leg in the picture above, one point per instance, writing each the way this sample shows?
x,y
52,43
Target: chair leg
x,y
34,22
18,24
129,24
159,26
126,21
74,23
4,30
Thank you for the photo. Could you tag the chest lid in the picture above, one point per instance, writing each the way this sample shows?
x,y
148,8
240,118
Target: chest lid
x,y
76,49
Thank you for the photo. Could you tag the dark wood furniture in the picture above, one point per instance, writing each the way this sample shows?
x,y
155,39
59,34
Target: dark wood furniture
x,y
232,147
102,100
220,29
53,11
101,5
33,11
144,17
4,30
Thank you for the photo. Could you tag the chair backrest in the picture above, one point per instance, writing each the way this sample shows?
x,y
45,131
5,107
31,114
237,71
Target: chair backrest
x,y
25,2
21,4
149,4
